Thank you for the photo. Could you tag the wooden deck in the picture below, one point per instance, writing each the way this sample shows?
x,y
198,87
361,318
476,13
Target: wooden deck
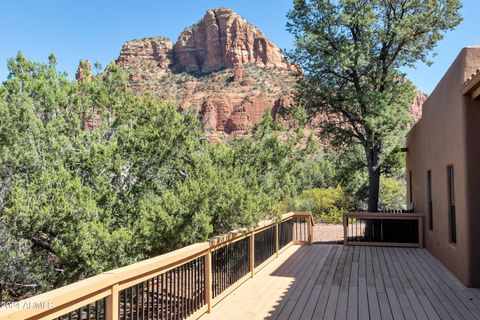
x,y
336,282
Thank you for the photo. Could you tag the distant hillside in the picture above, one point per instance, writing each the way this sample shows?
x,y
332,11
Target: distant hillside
x,y
223,66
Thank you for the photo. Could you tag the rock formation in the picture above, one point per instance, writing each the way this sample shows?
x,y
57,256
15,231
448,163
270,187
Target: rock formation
x,y
90,119
223,67
154,55
84,71
223,39
417,104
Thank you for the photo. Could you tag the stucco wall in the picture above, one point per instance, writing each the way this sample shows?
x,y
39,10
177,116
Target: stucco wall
x,y
444,136
472,116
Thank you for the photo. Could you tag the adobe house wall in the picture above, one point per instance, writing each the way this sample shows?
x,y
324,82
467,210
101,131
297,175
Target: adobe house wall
x,y
472,116
448,134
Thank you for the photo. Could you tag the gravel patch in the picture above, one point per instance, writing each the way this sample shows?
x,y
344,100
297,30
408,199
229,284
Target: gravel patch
x,y
327,232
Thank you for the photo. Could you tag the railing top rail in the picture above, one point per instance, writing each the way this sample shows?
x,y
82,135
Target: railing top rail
x,y
305,215
239,234
100,283
379,215
227,238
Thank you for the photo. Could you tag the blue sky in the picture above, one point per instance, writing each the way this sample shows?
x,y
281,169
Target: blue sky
x,y
96,30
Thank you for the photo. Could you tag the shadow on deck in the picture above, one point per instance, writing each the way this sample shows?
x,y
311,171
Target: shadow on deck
x,y
324,281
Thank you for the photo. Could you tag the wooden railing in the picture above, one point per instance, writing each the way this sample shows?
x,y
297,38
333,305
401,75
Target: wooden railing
x,y
181,284
383,229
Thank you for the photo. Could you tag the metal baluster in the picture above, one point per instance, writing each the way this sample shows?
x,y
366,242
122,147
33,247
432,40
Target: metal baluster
x,y
158,298
148,299
88,312
224,268
199,283
231,262
162,299
203,281
194,304
152,300
184,292
131,303
169,295
231,266
189,289
215,272
96,311
124,299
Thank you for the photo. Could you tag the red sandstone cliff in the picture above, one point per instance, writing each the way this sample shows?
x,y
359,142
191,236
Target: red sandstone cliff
x,y
223,39
416,107
223,67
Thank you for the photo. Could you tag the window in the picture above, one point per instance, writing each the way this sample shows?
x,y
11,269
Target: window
x,y
410,188
451,205
430,204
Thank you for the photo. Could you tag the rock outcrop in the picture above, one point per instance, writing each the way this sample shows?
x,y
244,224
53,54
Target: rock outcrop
x,y
154,55
84,71
90,119
223,67
223,39
417,104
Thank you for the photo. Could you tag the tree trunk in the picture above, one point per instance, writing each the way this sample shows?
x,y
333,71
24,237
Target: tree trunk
x,y
373,157
373,189
372,227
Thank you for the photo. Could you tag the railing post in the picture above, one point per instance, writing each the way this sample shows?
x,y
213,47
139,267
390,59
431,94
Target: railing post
x,y
112,303
420,232
310,229
208,280
381,230
276,239
345,230
293,230
252,253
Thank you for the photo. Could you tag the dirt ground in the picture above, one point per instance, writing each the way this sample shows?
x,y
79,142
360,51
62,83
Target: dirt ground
x,y
326,232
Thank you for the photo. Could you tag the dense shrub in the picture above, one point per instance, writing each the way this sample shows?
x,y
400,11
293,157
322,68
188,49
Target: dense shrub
x,y
146,180
326,204
392,193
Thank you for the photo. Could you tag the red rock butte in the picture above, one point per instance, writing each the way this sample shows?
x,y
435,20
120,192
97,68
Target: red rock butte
x,y
223,67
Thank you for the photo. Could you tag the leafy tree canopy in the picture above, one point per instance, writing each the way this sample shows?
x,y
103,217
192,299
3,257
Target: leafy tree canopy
x,y
75,201
352,51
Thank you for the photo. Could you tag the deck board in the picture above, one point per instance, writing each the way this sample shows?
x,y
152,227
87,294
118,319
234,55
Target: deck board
x,y
385,308
302,302
392,297
317,288
398,287
335,282
322,301
412,296
352,308
341,312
